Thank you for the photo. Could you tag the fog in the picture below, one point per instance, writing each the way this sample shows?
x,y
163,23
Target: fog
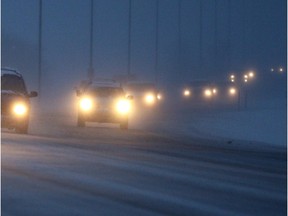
x,y
224,154
223,37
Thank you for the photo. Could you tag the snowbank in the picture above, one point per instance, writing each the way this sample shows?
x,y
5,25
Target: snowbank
x,y
265,126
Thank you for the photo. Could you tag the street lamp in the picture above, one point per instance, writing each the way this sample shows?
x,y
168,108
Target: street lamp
x,y
232,78
245,78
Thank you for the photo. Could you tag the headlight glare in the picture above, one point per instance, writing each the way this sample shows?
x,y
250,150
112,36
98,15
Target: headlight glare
x,y
208,93
149,98
232,91
123,106
186,92
20,109
86,104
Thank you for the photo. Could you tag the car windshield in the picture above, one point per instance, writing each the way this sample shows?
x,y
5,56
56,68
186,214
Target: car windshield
x,y
141,87
13,83
106,91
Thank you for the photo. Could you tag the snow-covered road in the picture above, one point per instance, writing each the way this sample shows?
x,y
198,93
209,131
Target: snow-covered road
x,y
106,171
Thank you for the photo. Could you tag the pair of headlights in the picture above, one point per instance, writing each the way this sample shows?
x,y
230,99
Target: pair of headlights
x,y
207,92
150,98
210,92
122,106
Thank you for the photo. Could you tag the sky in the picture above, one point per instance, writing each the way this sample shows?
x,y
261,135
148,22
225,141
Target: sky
x,y
225,36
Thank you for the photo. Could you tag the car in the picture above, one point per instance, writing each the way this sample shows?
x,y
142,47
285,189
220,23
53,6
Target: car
x,y
15,101
205,93
144,93
199,91
103,102
227,92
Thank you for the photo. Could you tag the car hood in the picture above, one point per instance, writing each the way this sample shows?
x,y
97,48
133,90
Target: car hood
x,y
10,97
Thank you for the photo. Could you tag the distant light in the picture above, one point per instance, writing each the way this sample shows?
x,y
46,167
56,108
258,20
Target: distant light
x,y
232,78
245,76
245,80
232,91
208,93
272,69
186,93
281,69
251,74
149,98
214,91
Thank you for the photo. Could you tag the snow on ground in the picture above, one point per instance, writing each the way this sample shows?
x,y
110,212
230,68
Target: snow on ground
x,y
264,121
267,126
260,123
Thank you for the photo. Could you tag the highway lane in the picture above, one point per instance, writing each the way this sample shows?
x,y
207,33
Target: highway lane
x,y
105,171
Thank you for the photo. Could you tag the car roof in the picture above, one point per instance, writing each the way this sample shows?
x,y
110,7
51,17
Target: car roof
x,y
105,84
10,71
100,83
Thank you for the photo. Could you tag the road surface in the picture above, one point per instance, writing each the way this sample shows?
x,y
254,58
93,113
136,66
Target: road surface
x,y
106,171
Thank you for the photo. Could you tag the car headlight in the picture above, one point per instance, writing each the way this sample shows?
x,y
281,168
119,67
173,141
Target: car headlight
x,y
123,106
20,109
159,96
86,104
186,93
207,93
232,91
149,99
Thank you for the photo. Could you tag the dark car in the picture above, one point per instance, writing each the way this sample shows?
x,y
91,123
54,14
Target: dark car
x,y
199,91
227,93
103,102
15,101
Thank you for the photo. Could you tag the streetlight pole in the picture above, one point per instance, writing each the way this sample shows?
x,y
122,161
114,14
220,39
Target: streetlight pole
x,y
244,25
129,41
156,43
229,35
216,35
200,36
179,38
40,51
91,69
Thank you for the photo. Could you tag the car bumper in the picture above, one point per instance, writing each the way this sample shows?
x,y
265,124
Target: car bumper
x,y
10,121
105,116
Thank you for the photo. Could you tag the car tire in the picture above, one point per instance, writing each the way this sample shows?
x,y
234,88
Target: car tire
x,y
124,125
80,121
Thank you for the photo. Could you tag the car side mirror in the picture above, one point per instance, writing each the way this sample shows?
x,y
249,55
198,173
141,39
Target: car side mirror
x,y
78,93
33,94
